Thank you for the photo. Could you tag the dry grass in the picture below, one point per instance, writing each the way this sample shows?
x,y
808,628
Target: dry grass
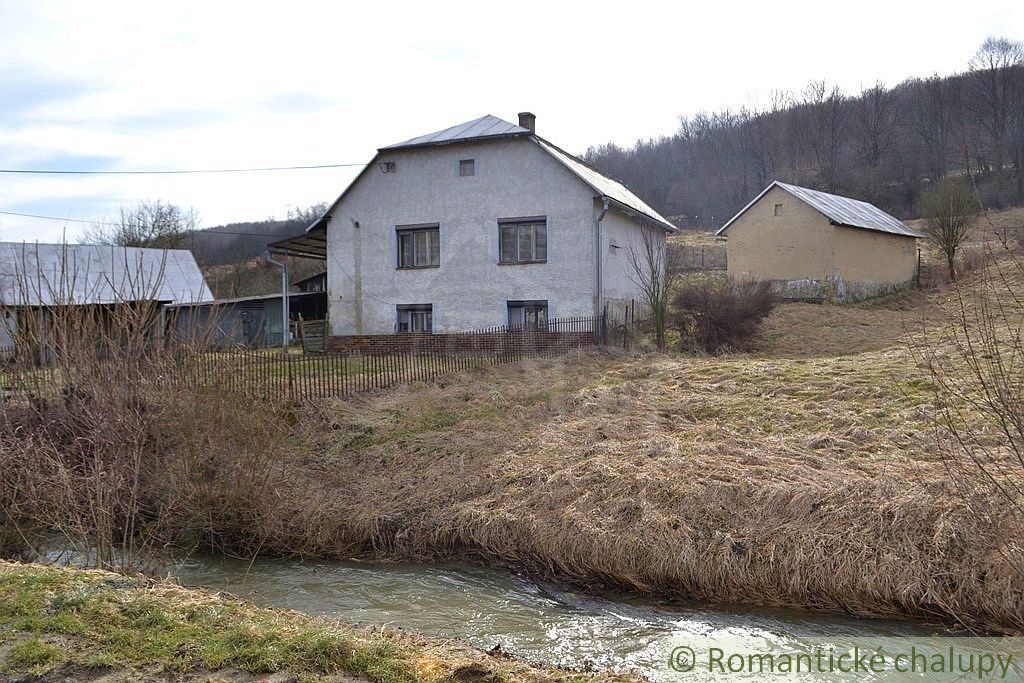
x,y
694,238
804,475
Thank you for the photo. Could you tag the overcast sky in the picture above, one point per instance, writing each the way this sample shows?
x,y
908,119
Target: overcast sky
x,y
180,85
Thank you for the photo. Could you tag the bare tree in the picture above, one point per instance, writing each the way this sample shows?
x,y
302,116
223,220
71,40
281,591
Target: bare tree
x,y
828,127
157,224
650,272
307,215
930,121
950,211
874,120
996,75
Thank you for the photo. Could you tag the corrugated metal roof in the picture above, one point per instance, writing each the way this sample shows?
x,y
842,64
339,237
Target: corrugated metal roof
x,y
33,274
604,185
844,211
484,127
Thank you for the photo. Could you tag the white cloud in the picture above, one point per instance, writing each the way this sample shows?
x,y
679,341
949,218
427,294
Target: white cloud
x,y
215,84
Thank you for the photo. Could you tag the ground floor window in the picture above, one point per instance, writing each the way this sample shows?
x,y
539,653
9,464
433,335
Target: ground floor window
x,y
529,313
415,318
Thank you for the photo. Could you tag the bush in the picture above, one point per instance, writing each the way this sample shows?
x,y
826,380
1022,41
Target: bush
x,y
110,448
720,316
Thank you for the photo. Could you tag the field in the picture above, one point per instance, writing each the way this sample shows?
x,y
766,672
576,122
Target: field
x,y
805,474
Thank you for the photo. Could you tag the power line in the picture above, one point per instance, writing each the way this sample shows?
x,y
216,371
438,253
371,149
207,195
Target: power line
x,y
38,171
79,220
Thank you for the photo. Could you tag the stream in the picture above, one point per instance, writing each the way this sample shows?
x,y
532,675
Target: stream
x,y
530,619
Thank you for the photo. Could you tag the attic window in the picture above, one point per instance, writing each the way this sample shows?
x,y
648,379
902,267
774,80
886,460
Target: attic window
x,y
467,167
778,209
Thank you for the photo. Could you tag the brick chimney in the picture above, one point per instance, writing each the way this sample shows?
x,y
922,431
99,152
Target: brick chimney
x,y
528,121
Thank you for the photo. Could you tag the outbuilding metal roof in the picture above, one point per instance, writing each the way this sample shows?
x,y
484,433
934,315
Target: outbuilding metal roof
x,y
484,127
851,213
33,274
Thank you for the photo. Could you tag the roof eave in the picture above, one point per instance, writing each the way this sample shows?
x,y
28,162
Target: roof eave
x,y
839,224
640,215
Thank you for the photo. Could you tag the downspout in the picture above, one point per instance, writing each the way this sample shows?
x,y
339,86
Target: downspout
x,y
285,317
599,276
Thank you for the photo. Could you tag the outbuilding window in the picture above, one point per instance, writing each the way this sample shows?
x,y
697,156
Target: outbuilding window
x,y
778,209
467,167
523,240
415,318
419,246
527,313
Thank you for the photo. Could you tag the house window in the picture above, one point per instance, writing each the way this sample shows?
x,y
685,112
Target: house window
x,y
419,246
523,241
527,313
778,209
467,167
415,318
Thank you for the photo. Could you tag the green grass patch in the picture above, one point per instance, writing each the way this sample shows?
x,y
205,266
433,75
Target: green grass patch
x,y
130,625
33,656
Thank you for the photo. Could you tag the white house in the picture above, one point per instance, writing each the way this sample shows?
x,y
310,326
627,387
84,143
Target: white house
x,y
481,224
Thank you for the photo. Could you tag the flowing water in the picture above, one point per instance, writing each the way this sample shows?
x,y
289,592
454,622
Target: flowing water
x,y
530,619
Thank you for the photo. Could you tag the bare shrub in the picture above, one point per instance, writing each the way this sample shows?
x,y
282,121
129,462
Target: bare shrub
x,y
976,368
720,316
107,445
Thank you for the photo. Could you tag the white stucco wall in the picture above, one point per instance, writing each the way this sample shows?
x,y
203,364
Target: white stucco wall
x,y
469,290
621,233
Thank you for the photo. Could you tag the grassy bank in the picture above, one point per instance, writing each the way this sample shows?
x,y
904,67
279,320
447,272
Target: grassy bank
x,y
806,474
62,623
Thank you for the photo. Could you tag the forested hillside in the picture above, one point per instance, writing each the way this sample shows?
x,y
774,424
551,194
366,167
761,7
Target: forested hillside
x,y
882,145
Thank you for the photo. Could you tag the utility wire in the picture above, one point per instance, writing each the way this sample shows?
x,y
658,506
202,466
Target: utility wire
x,y
39,171
79,220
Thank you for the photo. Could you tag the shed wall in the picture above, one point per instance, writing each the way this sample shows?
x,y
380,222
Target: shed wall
x,y
798,245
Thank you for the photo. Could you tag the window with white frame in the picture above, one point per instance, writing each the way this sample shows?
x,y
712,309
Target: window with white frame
x,y
527,313
523,240
415,318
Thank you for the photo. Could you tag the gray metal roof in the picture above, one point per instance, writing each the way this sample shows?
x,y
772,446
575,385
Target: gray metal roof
x,y
851,213
484,127
605,186
33,274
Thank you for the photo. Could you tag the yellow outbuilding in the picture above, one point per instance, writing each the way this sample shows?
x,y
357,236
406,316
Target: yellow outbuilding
x,y
817,246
